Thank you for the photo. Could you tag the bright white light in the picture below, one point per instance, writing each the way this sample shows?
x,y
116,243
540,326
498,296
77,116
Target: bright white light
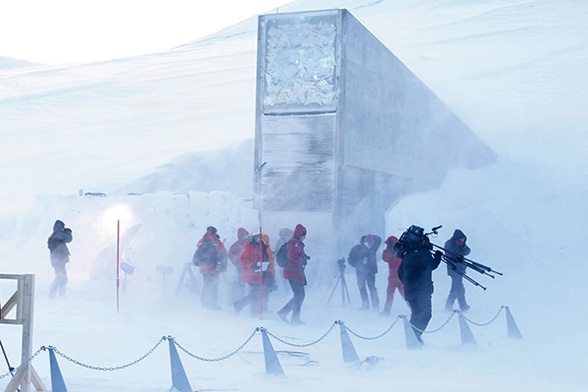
x,y
118,212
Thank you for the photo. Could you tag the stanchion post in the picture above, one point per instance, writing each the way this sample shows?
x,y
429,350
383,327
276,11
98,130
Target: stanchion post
x,y
511,325
180,381
467,337
272,364
349,353
57,381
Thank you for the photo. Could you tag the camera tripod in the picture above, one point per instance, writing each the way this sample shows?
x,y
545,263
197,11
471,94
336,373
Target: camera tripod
x,y
341,279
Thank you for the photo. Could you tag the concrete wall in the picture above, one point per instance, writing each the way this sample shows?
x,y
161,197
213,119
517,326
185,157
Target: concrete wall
x,y
344,128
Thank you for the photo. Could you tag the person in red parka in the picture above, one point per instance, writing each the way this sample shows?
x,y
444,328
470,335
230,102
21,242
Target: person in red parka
x,y
211,258
294,272
258,272
234,256
389,256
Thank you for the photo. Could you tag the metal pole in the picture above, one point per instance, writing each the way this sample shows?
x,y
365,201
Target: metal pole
x,y
117,265
260,274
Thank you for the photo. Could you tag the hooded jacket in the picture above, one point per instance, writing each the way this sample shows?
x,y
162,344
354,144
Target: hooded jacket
x,y
416,271
250,258
389,256
57,243
237,247
453,249
363,258
296,256
221,255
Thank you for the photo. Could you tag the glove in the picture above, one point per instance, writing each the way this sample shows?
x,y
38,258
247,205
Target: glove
x,y
255,267
307,257
437,255
459,259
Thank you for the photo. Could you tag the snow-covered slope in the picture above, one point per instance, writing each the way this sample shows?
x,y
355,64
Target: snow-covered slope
x,y
514,71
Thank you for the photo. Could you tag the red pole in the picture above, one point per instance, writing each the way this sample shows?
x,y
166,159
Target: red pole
x,y
260,274
117,264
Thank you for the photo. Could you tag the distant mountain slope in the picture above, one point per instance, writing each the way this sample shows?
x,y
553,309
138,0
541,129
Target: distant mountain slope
x,y
227,169
11,63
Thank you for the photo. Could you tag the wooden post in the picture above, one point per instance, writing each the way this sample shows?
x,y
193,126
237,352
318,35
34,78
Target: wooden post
x,y
23,299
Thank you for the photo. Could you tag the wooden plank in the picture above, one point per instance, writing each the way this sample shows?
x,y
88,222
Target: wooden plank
x,y
11,303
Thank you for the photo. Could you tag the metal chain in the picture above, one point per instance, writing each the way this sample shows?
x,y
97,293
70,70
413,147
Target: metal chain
x,y
108,368
15,370
302,344
374,337
484,324
219,358
438,329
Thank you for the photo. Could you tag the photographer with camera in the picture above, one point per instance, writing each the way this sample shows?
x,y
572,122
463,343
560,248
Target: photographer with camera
x,y
363,258
59,256
415,272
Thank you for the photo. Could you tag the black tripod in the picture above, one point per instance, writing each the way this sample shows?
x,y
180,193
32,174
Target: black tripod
x,y
341,279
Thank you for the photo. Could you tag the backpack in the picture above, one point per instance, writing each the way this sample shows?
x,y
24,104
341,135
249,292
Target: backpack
x,y
205,254
282,255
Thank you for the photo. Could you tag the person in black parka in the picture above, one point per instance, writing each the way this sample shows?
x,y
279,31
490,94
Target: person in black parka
x,y
59,256
456,248
415,272
363,257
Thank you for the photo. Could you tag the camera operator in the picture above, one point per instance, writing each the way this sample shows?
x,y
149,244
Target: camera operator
x,y
415,272
59,256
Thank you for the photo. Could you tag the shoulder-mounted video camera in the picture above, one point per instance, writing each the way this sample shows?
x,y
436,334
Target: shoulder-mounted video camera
x,y
414,237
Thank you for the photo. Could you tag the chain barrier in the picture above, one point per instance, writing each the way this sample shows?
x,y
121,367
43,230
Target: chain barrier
x,y
487,323
373,337
234,352
303,344
442,325
219,358
109,369
13,371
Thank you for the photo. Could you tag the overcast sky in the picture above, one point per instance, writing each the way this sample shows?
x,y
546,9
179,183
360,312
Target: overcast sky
x,y
66,31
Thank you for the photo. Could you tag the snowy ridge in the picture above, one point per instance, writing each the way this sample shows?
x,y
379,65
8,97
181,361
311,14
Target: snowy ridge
x,y
512,70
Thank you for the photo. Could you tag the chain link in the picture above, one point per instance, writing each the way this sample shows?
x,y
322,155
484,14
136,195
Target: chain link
x,y
441,327
109,369
303,344
487,323
219,358
374,337
15,370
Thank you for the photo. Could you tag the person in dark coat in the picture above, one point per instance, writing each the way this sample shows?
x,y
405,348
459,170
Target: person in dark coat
x,y
258,272
363,258
394,283
211,258
455,249
294,273
416,273
59,256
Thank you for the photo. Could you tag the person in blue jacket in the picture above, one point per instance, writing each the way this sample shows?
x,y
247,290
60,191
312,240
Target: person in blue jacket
x,y
363,258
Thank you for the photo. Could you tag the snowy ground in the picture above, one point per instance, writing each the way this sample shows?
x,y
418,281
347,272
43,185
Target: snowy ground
x,y
514,71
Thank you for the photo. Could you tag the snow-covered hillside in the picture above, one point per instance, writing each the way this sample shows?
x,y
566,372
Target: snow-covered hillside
x,y
514,71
